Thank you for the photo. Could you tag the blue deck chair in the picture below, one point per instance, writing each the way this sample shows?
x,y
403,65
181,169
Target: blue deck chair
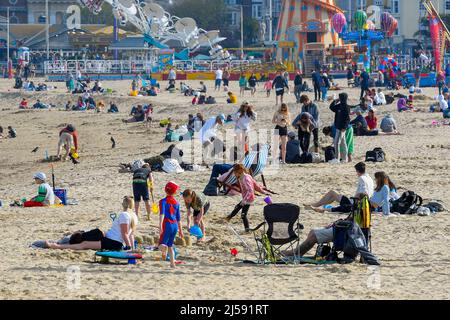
x,y
254,163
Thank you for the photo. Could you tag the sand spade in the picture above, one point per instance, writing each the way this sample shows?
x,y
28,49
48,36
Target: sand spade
x,y
155,209
113,216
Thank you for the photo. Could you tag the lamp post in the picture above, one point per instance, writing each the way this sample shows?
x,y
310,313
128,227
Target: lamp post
x,y
7,36
242,32
47,36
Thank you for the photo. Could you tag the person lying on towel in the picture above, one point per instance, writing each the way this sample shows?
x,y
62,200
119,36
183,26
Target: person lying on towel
x,y
45,196
120,236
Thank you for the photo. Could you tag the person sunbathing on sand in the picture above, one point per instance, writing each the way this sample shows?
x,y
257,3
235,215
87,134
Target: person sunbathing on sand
x,y
365,186
120,236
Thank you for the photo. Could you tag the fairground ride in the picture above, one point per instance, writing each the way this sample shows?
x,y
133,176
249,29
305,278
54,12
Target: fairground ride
x,y
159,27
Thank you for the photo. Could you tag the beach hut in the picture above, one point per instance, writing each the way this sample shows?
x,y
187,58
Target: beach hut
x,y
304,31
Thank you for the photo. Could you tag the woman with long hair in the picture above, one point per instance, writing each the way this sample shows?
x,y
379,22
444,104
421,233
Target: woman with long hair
x,y
248,187
381,196
242,120
282,118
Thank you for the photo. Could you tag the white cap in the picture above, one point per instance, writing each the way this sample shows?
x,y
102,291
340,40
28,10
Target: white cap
x,y
40,176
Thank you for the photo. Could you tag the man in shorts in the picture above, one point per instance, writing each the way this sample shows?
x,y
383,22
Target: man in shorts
x,y
365,186
142,181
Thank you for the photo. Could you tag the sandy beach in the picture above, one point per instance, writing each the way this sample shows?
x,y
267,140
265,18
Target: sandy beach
x,y
413,250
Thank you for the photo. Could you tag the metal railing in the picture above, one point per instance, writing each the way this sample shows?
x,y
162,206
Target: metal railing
x,y
139,66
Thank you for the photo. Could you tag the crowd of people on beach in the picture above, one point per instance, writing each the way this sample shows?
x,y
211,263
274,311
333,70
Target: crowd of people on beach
x,y
295,133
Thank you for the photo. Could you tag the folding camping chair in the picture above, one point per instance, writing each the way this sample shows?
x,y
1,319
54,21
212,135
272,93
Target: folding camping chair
x,y
281,232
255,162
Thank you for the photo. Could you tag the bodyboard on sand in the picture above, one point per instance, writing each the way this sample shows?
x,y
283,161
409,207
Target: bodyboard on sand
x,y
118,255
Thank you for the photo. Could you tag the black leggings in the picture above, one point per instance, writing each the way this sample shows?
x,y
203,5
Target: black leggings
x,y
317,92
304,138
244,213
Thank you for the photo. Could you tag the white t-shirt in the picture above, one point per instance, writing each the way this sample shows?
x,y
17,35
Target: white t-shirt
x,y
172,75
208,130
243,123
219,74
380,98
115,233
365,185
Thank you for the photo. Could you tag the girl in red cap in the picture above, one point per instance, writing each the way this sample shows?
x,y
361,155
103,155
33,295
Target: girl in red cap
x,y
169,222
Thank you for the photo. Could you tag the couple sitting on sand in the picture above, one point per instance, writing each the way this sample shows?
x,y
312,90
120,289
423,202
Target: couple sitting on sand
x,y
379,196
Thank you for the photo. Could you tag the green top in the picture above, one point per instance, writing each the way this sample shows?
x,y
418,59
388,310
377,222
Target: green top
x,y
201,202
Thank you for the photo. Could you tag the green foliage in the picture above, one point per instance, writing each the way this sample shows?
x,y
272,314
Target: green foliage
x,y
209,14
104,17
251,31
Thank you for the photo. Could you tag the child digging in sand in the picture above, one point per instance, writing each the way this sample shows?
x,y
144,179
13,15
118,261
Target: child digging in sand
x,y
169,222
248,187
198,205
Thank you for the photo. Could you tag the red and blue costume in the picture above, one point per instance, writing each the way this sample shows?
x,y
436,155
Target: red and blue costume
x,y
170,209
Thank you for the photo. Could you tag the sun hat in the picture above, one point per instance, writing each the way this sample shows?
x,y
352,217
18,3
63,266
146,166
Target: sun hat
x,y
40,176
171,187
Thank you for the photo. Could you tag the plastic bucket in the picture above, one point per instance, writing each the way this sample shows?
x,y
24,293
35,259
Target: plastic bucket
x,y
62,195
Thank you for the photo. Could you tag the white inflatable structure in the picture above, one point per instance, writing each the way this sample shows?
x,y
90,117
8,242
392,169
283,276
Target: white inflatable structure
x,y
159,27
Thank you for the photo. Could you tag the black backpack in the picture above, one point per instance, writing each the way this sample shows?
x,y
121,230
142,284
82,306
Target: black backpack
x,y
408,203
376,155
330,153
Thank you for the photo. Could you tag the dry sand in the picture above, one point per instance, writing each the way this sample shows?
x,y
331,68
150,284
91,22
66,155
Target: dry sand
x,y
414,251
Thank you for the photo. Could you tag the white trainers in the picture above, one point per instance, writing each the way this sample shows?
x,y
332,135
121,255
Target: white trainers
x,y
334,161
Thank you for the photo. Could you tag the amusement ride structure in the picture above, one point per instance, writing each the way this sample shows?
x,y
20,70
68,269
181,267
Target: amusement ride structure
x,y
159,27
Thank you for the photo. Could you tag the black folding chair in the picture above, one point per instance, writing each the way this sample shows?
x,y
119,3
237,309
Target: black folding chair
x,y
280,233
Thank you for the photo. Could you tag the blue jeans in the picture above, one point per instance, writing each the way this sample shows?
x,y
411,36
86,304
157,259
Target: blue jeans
x,y
219,169
324,93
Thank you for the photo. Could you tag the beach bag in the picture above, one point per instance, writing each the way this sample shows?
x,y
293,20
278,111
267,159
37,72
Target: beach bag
x,y
316,158
172,166
212,188
330,153
376,155
408,203
137,164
